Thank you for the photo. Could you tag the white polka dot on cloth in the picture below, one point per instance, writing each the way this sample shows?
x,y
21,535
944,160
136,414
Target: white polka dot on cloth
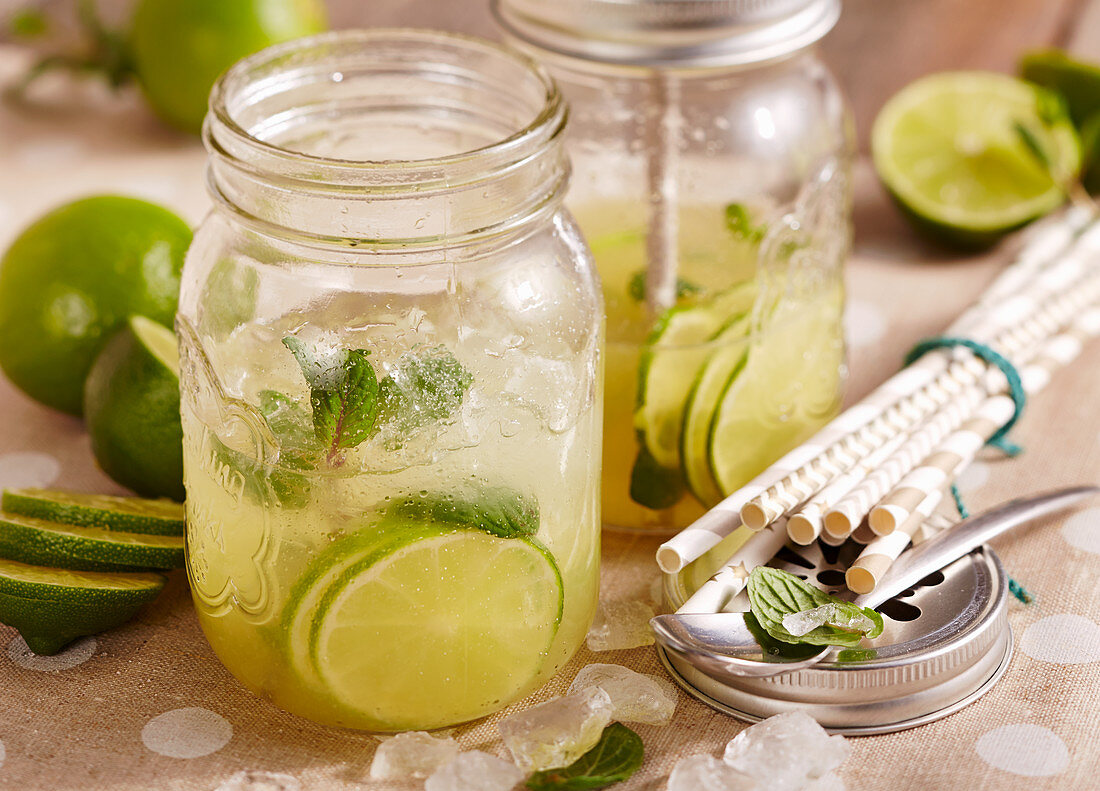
x,y
1064,639
973,477
76,653
28,468
255,780
1024,749
49,153
864,323
1082,530
187,733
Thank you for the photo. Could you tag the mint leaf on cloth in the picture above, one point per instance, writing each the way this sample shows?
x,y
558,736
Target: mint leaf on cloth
x,y
343,394
774,594
617,755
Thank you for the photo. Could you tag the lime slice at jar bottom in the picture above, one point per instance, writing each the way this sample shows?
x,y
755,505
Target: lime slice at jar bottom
x,y
714,381
421,626
948,148
675,351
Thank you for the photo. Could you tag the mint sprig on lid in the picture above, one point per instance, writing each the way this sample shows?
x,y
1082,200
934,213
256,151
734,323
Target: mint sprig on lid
x,y
774,594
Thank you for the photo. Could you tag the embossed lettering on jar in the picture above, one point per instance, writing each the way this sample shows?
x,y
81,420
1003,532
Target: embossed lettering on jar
x,y
391,339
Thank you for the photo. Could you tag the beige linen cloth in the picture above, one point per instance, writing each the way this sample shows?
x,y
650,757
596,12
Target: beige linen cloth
x,y
149,706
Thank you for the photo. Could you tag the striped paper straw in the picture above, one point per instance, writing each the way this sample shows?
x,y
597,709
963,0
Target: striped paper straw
x,y
877,557
714,594
805,525
960,448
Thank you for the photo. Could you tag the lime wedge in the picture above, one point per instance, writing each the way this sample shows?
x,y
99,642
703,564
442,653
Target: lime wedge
x,y
53,607
132,409
948,148
29,540
417,625
132,514
675,351
714,381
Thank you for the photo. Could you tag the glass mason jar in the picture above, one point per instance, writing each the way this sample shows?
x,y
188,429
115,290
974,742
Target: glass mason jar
x,y
711,152
391,344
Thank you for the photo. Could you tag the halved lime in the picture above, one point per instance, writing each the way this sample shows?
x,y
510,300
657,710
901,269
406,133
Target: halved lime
x,y
53,607
131,514
1075,81
132,409
677,348
29,540
949,149
729,358
420,625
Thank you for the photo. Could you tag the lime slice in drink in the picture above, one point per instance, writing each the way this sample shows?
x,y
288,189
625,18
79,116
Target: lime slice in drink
x,y
132,409
676,350
53,607
29,540
131,514
717,377
418,625
949,149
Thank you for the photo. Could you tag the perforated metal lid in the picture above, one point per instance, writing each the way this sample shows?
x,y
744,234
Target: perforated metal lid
x,y
946,643
668,33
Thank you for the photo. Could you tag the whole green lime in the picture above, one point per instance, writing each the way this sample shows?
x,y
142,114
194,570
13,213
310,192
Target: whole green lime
x,y
180,47
69,282
132,410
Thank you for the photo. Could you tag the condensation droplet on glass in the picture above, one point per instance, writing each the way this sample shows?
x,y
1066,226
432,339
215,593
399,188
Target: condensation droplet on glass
x,y
420,223
337,76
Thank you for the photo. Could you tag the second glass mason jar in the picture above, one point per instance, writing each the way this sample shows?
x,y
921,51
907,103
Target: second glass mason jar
x,y
391,370
711,152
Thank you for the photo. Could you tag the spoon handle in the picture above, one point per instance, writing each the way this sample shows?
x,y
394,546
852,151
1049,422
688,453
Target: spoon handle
x,y
968,535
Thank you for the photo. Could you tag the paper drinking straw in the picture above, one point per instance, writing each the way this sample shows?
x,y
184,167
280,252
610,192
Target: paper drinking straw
x,y
896,405
1043,320
957,450
728,581
848,511
662,241
877,557
805,525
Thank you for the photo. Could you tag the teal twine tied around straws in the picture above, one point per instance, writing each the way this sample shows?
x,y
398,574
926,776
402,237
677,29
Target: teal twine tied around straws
x,y
999,440
991,356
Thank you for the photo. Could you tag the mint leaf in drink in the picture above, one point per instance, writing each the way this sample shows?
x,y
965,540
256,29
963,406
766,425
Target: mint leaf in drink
x,y
617,755
776,595
739,222
636,287
652,485
500,510
343,395
422,387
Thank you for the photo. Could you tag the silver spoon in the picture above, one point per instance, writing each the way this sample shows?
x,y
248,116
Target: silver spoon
x,y
721,645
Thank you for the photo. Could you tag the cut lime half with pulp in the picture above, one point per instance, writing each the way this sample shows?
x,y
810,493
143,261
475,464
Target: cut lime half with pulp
x,y
419,625
950,150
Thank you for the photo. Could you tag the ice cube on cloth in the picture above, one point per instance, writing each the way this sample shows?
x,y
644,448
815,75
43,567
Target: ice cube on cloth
x,y
412,754
619,625
786,752
259,780
830,782
804,622
635,697
707,773
475,771
558,732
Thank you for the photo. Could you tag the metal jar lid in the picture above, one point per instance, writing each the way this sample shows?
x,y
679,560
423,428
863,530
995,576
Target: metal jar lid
x,y
668,33
946,643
